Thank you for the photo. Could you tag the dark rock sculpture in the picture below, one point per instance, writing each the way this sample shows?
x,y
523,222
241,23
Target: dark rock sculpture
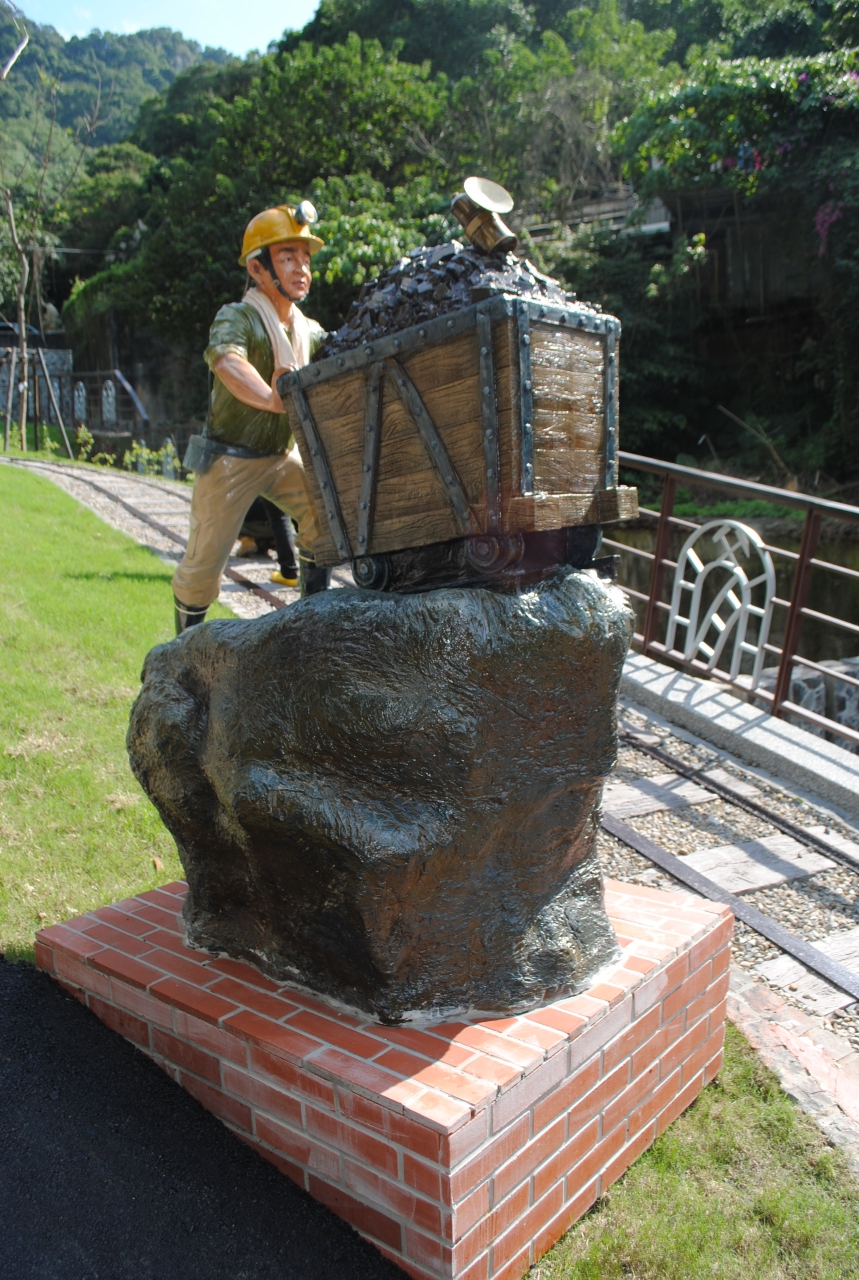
x,y
393,800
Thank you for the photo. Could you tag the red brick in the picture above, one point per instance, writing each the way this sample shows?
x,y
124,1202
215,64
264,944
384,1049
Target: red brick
x,y
437,1076
369,1185
334,1033
465,1139
522,1232
164,919
134,972
685,994
192,971
487,1041
494,1071
569,1093
584,1005
44,956
718,1015
425,1178
679,1104
497,1152
722,961
60,938
124,942
158,898
522,1096
571,1212
570,1153
219,1103
713,1068
210,1037
428,1046
173,942
368,1221
558,1019
70,970
272,1036
639,1089
606,991
325,1010
714,941
467,1213
125,921
407,1133
593,1038
660,984
490,1227
355,1071
684,1048
547,1039
274,1007
592,1164
296,1145
277,1068
244,973
629,1040
145,1006
656,1045
430,1252
641,964
627,1156
708,999
599,1097
186,1055
699,1059
526,1160
658,1101
178,889
264,1096
374,1152
516,1267
192,1000
118,1020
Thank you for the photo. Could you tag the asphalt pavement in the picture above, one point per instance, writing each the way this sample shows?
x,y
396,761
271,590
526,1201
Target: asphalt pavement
x,y
110,1171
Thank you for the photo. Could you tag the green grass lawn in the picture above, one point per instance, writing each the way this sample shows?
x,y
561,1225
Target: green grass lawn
x,y
742,1185
80,606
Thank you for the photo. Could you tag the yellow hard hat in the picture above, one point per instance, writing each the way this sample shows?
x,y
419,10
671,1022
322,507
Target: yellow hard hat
x,y
274,226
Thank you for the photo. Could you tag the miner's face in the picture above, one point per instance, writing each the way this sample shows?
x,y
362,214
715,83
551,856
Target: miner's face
x,y
291,262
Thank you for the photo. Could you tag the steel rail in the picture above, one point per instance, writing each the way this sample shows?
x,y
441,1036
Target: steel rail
x,y
791,943
161,528
728,793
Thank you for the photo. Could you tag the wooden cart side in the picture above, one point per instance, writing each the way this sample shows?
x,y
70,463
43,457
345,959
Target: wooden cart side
x,y
568,371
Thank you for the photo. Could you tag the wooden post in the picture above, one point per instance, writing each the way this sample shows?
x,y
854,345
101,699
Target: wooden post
x,y
10,391
54,402
663,542
798,597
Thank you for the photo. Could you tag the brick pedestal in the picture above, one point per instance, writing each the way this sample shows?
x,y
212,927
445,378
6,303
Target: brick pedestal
x,y
460,1150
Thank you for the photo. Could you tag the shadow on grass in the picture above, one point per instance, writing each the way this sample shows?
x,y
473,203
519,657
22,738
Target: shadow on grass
x,y
109,576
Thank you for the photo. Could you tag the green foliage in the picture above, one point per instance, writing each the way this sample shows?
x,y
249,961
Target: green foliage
x,y
125,70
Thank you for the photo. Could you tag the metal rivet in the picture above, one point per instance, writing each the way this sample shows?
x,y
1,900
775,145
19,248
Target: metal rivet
x,y
396,342
324,484
361,538
450,324
364,506
527,426
369,426
435,444
366,466
341,361
563,319
489,433
422,333
484,351
526,339
611,359
490,473
315,452
527,385
486,391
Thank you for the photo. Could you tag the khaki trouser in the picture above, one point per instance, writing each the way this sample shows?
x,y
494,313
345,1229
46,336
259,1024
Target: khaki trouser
x,y
221,499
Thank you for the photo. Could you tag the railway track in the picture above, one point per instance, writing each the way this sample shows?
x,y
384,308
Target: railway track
x,y
786,941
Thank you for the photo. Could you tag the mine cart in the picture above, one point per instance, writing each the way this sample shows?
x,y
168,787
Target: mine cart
x,y
482,440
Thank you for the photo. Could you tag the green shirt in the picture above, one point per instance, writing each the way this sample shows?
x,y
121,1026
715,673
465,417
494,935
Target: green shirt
x,y
239,328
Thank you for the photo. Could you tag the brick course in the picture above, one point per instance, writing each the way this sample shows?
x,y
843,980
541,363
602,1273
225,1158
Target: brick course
x,y
463,1151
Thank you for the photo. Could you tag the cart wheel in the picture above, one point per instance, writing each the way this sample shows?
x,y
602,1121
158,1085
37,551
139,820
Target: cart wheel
x,y
371,572
494,551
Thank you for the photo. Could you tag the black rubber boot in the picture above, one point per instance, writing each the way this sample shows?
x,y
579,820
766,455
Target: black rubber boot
x,y
313,577
187,615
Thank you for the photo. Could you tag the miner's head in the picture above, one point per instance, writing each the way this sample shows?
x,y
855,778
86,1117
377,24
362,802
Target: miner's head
x,y
277,247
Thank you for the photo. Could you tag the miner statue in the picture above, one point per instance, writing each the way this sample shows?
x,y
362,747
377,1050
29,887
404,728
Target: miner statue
x,y
247,450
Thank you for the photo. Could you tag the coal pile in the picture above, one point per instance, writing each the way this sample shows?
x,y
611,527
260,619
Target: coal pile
x,y
432,281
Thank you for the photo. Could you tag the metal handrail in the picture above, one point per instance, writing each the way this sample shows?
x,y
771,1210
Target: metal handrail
x,y
805,561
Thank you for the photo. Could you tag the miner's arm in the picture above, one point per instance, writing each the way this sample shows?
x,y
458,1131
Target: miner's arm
x,y
242,380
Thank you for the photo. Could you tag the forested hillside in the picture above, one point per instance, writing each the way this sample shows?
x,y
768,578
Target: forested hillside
x,y
693,165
